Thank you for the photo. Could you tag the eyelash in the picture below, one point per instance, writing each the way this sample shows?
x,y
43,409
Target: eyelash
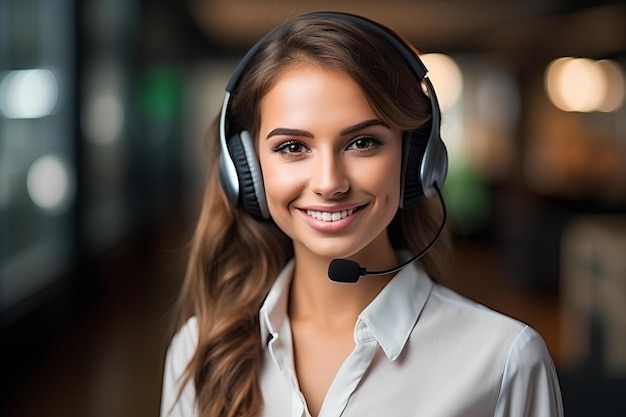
x,y
284,147
372,143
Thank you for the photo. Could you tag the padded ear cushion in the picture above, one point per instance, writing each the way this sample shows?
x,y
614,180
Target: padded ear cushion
x,y
251,189
414,144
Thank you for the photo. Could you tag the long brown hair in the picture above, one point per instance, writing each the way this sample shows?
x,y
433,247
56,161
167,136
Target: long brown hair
x,y
234,259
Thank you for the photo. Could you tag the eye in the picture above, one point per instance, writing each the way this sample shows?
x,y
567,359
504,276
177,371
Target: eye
x,y
291,147
364,143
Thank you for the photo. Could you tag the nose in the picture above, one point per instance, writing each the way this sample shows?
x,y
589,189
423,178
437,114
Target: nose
x,y
329,176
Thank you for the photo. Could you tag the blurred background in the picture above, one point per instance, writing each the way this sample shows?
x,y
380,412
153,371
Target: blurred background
x,y
103,105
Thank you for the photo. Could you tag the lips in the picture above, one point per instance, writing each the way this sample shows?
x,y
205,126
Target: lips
x,y
331,216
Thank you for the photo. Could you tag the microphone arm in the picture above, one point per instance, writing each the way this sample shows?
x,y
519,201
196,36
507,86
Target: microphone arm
x,y
346,270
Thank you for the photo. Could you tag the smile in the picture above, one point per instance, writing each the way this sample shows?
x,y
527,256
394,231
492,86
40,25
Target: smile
x,y
328,216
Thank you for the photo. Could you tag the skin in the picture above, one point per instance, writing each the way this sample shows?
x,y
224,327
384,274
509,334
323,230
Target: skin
x,y
322,148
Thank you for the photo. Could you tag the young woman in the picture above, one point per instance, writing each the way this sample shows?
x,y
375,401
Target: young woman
x,y
326,142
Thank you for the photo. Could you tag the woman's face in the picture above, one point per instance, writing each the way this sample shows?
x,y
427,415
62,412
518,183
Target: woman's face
x,y
331,166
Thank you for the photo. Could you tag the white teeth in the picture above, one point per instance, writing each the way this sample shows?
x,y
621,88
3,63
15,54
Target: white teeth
x,y
328,216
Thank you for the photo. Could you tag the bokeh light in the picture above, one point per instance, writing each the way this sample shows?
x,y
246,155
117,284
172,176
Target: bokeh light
x,y
103,118
28,94
584,85
50,185
614,97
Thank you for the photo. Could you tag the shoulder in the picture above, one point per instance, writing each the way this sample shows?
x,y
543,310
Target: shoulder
x,y
178,400
471,315
182,348
495,337
530,384
185,340
516,355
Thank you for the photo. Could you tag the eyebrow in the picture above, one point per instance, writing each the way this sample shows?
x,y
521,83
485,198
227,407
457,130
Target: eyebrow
x,y
283,131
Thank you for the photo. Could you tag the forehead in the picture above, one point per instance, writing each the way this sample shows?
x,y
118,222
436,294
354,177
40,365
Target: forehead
x,y
306,91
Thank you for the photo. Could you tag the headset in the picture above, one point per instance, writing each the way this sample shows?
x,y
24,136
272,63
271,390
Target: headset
x,y
424,167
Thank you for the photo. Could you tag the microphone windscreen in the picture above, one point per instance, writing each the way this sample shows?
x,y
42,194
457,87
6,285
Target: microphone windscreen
x,y
344,270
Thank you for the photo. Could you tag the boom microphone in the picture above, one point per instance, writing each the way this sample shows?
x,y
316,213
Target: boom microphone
x,y
345,270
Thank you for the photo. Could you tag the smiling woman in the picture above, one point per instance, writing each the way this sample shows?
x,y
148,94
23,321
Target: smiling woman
x,y
349,163
326,148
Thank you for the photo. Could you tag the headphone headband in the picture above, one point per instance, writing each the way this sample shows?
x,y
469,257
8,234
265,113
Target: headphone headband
x,y
398,43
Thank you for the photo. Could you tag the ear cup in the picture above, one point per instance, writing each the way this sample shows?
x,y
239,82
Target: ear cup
x,y
433,166
425,158
251,189
425,163
434,163
411,186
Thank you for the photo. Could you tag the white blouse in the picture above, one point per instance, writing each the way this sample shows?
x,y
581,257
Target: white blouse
x,y
420,350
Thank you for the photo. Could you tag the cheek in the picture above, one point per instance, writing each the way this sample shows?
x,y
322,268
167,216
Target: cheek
x,y
274,184
280,185
384,180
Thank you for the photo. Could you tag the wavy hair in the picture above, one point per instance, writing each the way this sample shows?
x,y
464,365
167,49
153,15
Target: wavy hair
x,y
234,259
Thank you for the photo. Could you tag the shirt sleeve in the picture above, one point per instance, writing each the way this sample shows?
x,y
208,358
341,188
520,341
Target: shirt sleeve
x,y
178,355
530,386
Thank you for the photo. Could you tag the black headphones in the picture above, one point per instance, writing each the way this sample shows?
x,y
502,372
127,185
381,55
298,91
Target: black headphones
x,y
424,168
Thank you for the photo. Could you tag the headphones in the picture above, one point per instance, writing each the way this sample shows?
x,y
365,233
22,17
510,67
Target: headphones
x,y
424,167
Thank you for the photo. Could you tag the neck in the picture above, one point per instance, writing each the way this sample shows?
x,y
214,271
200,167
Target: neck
x,y
314,296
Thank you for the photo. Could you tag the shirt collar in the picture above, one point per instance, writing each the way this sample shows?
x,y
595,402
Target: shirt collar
x,y
394,312
390,317
273,312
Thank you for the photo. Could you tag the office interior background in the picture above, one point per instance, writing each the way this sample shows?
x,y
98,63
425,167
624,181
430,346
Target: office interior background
x,y
103,107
